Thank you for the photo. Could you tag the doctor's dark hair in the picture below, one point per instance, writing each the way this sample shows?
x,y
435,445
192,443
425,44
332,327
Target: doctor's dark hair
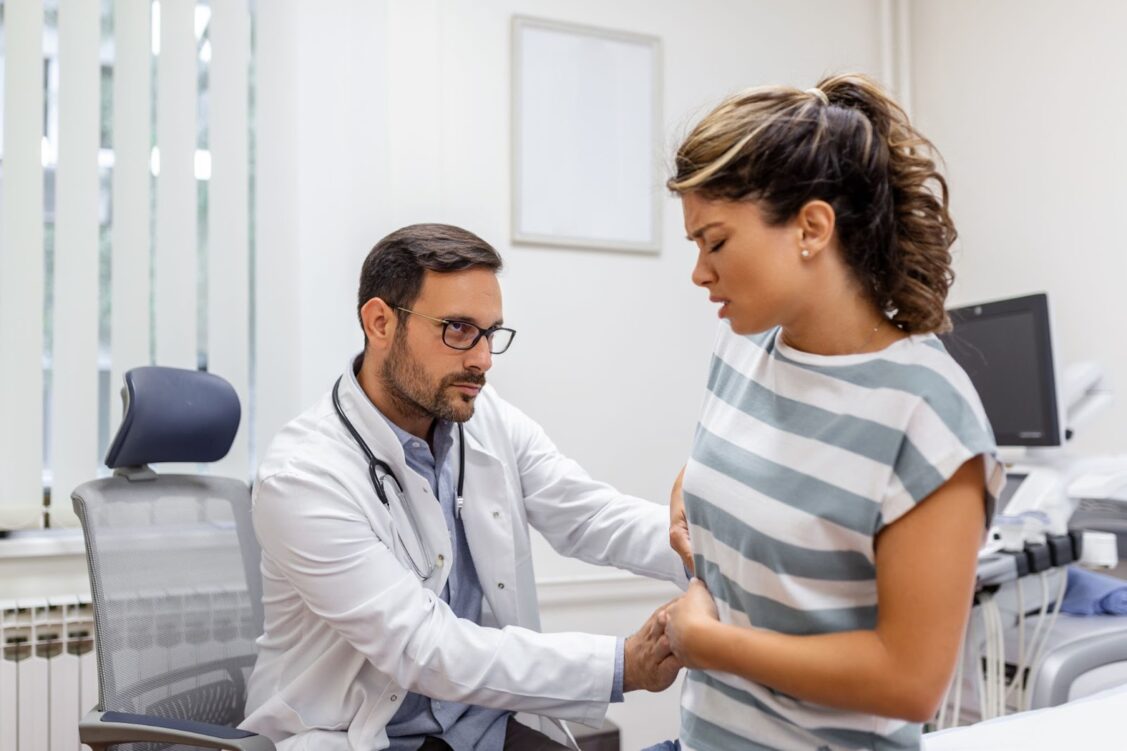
x,y
848,144
395,267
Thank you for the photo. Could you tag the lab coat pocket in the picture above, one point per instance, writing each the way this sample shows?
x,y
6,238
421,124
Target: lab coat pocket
x,y
301,723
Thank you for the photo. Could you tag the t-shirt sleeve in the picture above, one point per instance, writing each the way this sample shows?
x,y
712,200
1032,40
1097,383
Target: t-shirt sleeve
x,y
942,433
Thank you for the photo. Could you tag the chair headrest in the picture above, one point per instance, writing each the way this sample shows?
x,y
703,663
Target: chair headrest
x,y
174,415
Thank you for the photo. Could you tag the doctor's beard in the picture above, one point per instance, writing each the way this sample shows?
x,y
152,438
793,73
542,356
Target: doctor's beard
x,y
406,381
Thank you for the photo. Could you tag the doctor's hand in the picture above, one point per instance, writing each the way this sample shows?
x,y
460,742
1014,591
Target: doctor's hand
x,y
679,525
688,621
648,662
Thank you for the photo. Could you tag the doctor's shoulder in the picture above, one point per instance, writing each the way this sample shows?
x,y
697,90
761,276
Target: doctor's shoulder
x,y
294,439
311,451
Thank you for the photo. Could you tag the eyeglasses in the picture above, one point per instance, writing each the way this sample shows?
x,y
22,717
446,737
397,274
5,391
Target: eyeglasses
x,y
464,335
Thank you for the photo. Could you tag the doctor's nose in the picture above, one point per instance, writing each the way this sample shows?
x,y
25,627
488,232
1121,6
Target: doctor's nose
x,y
479,357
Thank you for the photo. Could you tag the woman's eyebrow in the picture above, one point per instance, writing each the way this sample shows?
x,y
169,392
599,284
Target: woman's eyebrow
x,y
699,231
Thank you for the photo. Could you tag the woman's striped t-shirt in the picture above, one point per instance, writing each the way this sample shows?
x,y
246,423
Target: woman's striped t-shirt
x,y
798,462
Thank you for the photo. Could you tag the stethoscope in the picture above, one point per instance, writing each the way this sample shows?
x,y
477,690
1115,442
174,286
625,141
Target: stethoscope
x,y
377,466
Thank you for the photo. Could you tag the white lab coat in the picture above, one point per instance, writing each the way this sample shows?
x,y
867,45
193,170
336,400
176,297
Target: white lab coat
x,y
350,628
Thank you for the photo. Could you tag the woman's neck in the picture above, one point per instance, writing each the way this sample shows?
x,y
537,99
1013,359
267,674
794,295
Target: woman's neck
x,y
843,323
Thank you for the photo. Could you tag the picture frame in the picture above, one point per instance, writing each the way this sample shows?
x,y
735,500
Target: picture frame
x,y
586,137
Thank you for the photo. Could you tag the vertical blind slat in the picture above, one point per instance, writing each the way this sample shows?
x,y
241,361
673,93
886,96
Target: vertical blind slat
x,y
74,411
277,386
176,252
228,335
21,269
132,109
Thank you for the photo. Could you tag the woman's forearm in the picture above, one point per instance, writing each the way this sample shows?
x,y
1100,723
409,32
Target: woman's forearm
x,y
852,670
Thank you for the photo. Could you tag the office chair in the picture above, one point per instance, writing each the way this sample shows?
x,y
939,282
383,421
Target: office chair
x,y
174,573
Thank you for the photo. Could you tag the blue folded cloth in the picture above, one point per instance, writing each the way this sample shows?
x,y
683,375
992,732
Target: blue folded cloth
x,y
1089,593
666,746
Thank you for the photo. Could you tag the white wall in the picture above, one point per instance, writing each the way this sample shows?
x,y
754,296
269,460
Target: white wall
x,y
404,117
1026,102
404,111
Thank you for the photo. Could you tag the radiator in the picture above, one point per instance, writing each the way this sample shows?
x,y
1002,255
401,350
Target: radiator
x,y
48,672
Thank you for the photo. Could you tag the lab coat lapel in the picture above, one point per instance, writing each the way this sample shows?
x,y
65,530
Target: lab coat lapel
x,y
487,518
382,442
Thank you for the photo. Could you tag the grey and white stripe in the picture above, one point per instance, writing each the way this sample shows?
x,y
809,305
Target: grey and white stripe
x,y
797,464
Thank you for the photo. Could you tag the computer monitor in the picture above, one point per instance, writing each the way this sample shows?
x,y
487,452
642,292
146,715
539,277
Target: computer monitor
x,y
1006,347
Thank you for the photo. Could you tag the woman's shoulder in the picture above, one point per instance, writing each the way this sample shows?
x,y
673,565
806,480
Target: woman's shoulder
x,y
924,368
938,375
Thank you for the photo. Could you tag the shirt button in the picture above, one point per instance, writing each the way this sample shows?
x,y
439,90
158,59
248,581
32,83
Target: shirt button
x,y
394,697
496,514
441,560
500,585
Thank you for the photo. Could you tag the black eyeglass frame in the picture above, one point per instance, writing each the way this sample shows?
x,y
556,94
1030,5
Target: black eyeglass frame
x,y
487,333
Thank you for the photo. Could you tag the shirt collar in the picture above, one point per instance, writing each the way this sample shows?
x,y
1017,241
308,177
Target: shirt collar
x,y
443,436
443,429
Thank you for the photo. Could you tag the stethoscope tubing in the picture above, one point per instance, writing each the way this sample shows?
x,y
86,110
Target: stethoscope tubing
x,y
376,465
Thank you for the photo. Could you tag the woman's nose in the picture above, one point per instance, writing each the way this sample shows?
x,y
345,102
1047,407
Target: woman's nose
x,y
702,273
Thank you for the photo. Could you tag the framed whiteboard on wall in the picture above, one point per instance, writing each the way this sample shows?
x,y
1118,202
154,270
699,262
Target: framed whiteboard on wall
x,y
586,120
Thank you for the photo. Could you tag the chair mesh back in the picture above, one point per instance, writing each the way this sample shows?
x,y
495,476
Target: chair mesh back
x,y
177,595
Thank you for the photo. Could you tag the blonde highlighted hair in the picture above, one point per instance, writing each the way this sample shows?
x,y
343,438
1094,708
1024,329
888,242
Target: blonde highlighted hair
x,y
849,144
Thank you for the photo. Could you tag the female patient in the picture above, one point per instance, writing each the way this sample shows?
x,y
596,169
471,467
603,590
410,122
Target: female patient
x,y
843,467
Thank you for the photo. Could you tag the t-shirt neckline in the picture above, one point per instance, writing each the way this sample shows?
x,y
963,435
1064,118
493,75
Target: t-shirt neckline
x,y
810,358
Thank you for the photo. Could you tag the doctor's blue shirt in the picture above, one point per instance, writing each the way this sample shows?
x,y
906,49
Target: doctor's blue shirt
x,y
461,726
464,727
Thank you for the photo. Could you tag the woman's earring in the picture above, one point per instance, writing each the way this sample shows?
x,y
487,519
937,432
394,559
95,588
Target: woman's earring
x,y
805,253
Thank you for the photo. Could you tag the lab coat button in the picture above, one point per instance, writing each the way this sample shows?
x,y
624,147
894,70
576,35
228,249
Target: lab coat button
x,y
441,560
500,585
394,697
496,514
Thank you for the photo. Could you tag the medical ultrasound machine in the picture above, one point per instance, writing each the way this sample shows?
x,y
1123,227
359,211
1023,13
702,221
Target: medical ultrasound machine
x,y
1019,654
1006,347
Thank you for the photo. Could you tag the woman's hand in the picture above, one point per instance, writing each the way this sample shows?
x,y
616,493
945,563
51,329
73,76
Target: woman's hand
x,y
679,525
687,621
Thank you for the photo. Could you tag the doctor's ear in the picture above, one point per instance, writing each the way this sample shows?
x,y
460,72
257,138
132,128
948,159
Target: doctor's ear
x,y
379,321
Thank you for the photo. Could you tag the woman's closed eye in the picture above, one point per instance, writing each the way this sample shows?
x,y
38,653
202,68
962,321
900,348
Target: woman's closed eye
x,y
716,246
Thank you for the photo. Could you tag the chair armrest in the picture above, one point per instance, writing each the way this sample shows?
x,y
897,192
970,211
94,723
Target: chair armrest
x,y
100,728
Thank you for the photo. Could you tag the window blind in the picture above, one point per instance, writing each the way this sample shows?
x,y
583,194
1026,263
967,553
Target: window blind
x,y
132,216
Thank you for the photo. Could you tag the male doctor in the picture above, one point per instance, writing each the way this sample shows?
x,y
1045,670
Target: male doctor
x,y
393,516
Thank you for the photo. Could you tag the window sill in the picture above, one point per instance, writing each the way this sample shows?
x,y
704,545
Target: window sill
x,y
42,543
